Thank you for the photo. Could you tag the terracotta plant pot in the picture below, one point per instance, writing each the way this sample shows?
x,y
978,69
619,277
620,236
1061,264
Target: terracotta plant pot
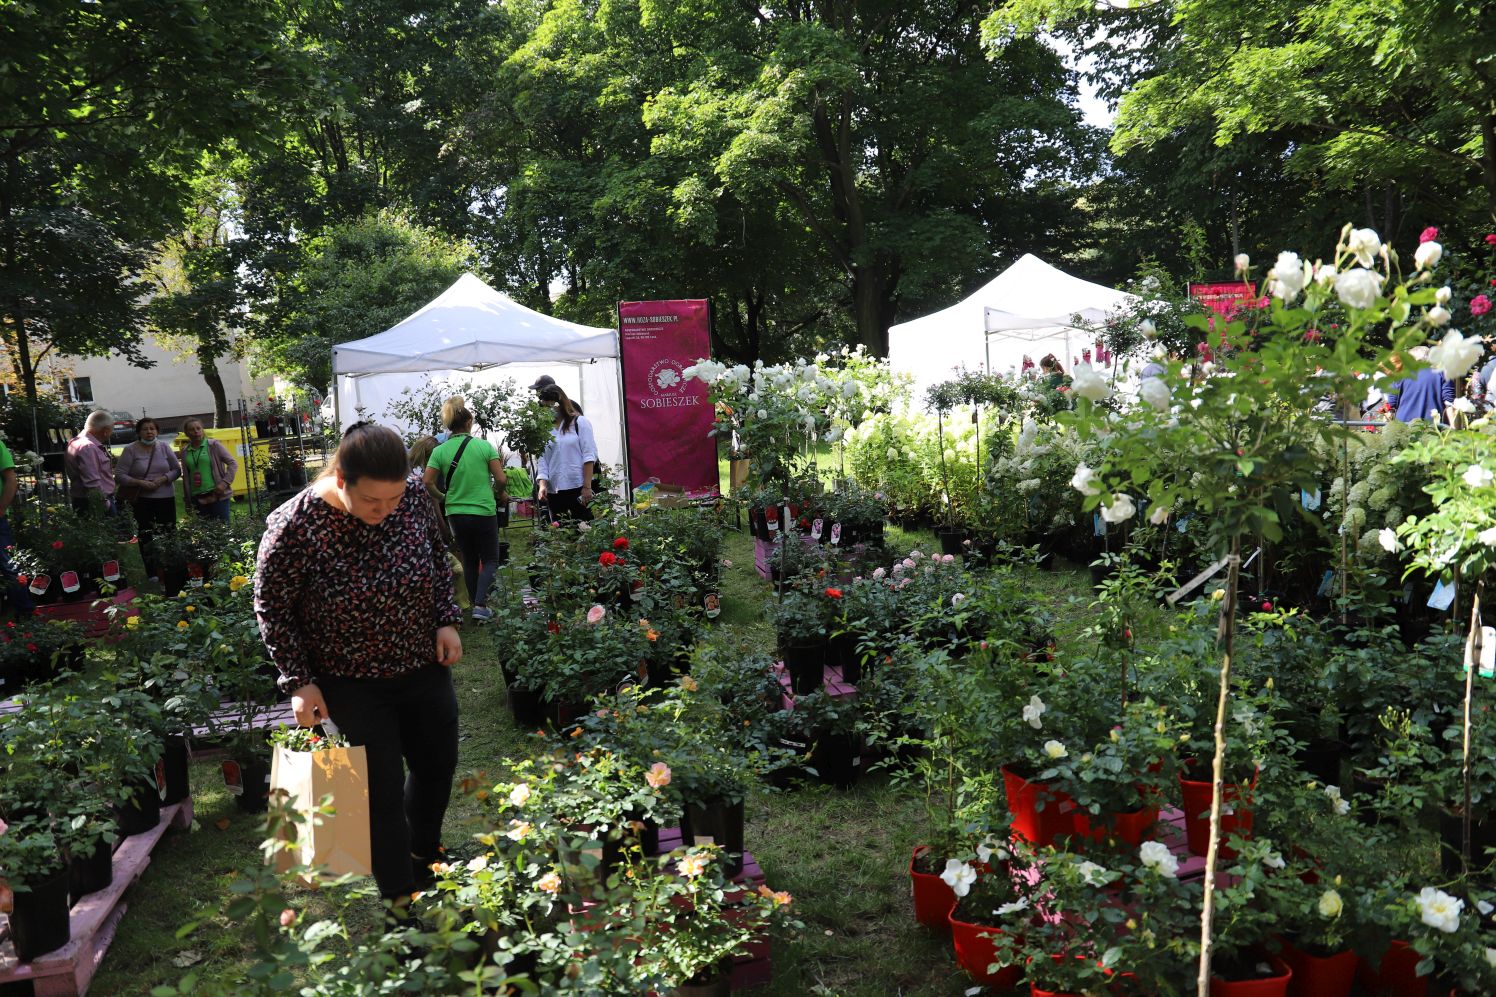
x,y
1234,796
1320,976
1271,986
1040,827
975,951
933,900
1395,976
1128,827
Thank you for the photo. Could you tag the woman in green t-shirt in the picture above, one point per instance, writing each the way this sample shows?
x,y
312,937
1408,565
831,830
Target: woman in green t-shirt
x,y
457,476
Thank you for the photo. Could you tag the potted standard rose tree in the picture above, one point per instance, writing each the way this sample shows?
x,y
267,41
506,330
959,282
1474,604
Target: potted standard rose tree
x,y
1233,440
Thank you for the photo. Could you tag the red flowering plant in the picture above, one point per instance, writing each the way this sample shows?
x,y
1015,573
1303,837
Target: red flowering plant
x,y
66,543
37,649
305,739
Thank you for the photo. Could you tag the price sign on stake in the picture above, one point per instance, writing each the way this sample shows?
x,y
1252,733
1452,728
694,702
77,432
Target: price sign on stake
x,y
1487,653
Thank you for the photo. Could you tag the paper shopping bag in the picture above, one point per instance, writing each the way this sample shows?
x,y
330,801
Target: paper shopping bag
x,y
337,842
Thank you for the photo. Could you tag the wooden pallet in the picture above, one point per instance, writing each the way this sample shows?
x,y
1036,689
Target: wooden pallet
x,y
89,614
68,971
205,739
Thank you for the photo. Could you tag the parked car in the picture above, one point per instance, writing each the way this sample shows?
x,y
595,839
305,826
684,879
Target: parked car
x,y
124,427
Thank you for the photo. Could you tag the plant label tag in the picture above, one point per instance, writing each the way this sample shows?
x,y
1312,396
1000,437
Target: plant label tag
x,y
39,584
195,576
1443,596
161,778
111,571
70,582
1408,594
703,839
772,523
233,778
1325,583
1097,526
1309,500
712,605
1183,524
1487,653
835,534
816,528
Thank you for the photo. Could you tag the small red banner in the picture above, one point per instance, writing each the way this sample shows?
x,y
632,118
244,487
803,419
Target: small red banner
x,y
667,417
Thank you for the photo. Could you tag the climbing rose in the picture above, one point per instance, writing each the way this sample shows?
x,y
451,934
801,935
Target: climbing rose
x,y
550,882
1364,244
1455,354
1439,910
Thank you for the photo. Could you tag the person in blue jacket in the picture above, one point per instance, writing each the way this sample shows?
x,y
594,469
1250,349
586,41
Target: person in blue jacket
x,y
1426,395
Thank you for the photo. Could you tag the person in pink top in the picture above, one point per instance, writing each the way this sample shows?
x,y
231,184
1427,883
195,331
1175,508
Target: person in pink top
x,y
90,470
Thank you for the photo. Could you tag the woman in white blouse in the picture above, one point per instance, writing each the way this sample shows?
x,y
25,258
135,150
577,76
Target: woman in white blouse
x,y
564,478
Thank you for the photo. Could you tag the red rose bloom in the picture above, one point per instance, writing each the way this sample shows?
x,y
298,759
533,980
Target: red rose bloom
x,y
1429,235
57,545
31,647
833,593
607,559
622,543
1491,239
22,580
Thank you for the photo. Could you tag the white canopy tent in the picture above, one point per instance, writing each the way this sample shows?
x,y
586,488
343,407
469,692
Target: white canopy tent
x,y
471,332
1026,309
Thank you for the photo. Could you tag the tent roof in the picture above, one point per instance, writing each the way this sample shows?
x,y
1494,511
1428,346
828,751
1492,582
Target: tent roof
x,y
1030,295
471,325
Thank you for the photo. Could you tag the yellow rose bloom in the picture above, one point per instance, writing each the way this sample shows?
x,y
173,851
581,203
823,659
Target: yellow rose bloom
x,y
132,622
181,624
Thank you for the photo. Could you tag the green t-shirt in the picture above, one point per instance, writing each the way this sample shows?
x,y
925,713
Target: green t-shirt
x,y
6,460
469,491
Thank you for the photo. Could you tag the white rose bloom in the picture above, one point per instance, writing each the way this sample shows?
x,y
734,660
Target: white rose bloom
x,y
1427,255
1324,275
1086,382
989,847
1287,276
519,795
1487,537
1021,904
1388,539
1242,262
1465,405
1155,392
893,453
1437,316
1033,711
959,876
1092,874
1147,328
1121,510
1055,750
1491,958
1364,244
1156,856
1274,860
1330,904
1086,480
1440,910
1358,288
763,413
1442,295
1159,515
1455,354
1477,476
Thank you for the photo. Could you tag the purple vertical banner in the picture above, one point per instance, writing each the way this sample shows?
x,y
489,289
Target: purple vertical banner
x,y
668,418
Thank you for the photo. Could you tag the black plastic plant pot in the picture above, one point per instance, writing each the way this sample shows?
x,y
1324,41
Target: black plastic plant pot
x,y
719,823
253,781
172,774
1452,836
527,706
39,919
142,812
91,871
952,542
836,759
806,664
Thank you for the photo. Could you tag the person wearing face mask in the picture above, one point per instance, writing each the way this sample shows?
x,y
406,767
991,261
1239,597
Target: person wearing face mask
x,y
144,473
355,603
208,472
564,471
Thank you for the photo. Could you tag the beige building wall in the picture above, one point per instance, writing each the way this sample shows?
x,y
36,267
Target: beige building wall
x,y
170,391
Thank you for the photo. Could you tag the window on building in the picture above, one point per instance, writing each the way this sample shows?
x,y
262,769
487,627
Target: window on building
x,y
78,390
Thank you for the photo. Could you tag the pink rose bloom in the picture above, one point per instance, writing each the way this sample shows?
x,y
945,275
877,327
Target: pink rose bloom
x,y
658,775
1491,239
1429,235
1480,304
947,558
915,554
907,562
288,917
878,574
596,614
4,827
898,569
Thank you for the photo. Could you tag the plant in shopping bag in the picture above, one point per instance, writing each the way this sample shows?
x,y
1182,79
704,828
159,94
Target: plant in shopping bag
x,y
305,739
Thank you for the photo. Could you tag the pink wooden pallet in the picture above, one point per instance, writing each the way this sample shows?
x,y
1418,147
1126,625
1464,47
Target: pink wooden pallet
x,y
226,720
831,681
68,971
88,614
753,967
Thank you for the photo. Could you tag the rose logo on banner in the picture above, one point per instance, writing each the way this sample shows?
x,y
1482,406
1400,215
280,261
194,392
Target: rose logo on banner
x,y
666,382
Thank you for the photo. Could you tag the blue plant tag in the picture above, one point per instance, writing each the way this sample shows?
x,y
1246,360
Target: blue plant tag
x,y
1325,583
1183,524
1443,596
1097,526
1310,501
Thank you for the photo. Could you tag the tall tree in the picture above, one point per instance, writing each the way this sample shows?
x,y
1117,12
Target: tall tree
x,y
106,108
1383,99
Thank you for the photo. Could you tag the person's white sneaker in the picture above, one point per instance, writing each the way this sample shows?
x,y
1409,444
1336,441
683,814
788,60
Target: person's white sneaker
x,y
482,614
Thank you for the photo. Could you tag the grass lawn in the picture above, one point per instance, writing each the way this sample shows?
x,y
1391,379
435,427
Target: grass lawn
x,y
843,854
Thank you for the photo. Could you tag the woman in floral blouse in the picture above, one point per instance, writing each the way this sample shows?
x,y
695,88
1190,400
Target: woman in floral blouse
x,y
354,599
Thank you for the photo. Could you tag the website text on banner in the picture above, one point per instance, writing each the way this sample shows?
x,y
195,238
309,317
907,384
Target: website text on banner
x,y
668,418
1226,298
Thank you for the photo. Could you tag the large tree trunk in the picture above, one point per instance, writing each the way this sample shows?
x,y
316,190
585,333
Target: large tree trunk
x,y
207,365
872,303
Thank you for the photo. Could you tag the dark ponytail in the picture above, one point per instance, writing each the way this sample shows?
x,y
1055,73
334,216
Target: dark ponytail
x,y
567,412
369,450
